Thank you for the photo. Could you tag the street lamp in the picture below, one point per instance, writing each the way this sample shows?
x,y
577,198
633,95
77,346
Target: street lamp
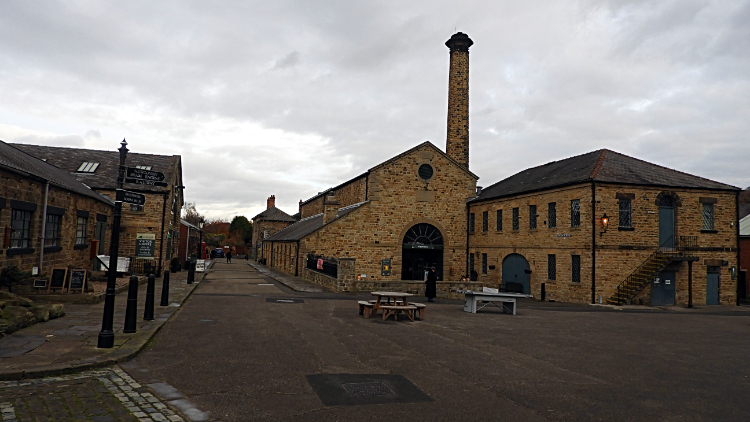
x,y
605,222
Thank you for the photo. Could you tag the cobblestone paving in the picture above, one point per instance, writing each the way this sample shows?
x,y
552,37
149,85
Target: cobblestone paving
x,y
101,395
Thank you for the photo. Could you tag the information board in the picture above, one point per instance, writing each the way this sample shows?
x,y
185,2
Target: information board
x,y
40,283
123,264
144,245
57,280
385,267
77,280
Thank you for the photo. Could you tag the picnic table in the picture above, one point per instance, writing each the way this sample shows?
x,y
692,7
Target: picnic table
x,y
471,298
388,303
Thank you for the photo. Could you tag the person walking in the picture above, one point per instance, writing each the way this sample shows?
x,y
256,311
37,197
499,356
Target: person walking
x,y
431,288
229,257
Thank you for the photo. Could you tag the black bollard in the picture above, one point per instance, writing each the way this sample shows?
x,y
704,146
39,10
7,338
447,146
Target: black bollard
x,y
148,313
131,312
165,290
191,271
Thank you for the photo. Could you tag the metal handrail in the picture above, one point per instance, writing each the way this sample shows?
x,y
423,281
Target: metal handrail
x,y
666,250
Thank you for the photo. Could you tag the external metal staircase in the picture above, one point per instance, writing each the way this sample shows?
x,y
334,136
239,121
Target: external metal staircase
x,y
671,250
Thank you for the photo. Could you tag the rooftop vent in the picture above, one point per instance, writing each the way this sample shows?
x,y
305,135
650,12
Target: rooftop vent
x,y
87,167
143,167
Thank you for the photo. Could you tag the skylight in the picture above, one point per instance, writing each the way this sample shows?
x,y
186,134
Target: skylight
x,y
87,167
143,167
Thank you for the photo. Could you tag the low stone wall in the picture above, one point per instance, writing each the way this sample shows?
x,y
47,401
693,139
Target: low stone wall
x,y
320,278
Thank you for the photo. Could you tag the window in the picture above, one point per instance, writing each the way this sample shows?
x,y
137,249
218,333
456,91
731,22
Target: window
x,y
471,223
485,221
52,230
576,267
87,167
625,213
515,218
499,220
425,171
575,213
552,215
708,216
471,263
551,267
484,263
81,230
20,233
143,167
532,217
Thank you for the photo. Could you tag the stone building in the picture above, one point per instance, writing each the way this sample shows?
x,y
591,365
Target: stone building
x,y
599,227
580,227
268,222
158,220
49,218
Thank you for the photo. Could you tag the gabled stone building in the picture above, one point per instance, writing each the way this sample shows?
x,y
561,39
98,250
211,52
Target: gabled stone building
x,y
49,218
157,220
268,222
599,227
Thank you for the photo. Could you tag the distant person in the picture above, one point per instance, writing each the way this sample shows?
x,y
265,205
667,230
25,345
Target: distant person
x,y
229,257
431,288
213,254
474,275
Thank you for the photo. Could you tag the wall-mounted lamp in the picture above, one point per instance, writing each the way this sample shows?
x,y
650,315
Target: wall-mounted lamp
x,y
605,222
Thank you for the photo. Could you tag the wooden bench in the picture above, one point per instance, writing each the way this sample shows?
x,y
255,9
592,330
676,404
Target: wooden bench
x,y
420,308
365,308
394,310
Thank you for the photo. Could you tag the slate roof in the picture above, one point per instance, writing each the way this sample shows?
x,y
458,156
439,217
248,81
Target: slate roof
x,y
16,160
273,214
308,225
599,166
105,176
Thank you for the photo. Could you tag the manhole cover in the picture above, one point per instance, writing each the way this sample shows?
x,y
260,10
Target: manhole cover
x,y
367,389
273,300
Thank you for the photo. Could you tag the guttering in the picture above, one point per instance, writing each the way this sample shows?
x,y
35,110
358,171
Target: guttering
x,y
296,259
43,226
593,242
161,240
468,209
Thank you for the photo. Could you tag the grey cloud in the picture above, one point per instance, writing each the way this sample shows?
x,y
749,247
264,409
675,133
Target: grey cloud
x,y
290,60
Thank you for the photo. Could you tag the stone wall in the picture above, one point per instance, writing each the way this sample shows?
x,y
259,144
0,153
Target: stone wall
x,y
619,252
66,254
353,192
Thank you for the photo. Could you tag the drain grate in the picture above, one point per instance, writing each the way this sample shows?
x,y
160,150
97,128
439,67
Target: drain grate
x,y
359,389
275,300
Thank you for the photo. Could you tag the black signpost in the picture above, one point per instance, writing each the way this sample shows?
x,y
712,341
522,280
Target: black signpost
x,y
137,173
130,197
147,182
107,335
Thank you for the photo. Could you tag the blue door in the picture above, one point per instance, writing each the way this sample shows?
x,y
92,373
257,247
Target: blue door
x,y
666,226
712,286
663,289
516,270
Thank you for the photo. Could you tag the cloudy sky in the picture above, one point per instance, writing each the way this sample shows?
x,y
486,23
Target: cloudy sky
x,y
292,97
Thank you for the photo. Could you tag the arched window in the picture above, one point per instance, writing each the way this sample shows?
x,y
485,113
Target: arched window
x,y
423,234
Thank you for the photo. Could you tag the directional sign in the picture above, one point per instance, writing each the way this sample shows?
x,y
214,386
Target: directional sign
x,y
145,174
131,197
147,182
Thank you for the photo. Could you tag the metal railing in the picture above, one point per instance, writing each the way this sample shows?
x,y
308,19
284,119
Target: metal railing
x,y
143,266
329,265
637,280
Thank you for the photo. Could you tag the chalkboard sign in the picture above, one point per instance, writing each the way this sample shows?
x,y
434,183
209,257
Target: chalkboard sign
x,y
40,283
57,281
77,280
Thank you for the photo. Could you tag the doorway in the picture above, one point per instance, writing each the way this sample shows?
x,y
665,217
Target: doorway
x,y
663,289
712,285
422,248
666,222
516,270
100,232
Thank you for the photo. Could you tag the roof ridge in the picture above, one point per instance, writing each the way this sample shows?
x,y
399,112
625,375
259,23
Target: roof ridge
x,y
598,164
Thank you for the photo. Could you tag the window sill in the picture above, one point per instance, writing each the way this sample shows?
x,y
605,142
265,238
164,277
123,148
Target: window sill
x,y
20,251
626,229
709,231
52,249
79,247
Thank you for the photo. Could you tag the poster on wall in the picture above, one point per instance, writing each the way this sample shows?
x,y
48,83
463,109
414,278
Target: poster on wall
x,y
200,265
320,263
385,267
144,245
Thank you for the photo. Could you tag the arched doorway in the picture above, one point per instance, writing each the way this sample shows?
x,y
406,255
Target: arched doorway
x,y
666,221
516,270
422,249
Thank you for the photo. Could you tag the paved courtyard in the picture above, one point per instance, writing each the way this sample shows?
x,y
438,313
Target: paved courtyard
x,y
239,353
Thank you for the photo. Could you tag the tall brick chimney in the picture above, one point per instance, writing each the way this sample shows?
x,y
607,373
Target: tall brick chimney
x,y
457,143
330,208
271,201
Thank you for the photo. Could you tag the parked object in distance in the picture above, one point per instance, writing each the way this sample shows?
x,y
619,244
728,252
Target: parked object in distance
x,y
219,252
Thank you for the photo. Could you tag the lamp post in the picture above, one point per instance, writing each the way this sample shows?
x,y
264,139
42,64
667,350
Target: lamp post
x,y
202,253
106,335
